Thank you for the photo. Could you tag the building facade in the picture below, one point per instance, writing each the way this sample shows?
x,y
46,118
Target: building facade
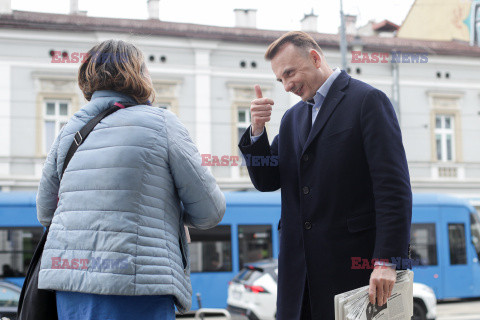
x,y
206,74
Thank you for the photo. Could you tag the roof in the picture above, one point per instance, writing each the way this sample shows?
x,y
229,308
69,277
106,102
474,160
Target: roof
x,y
79,23
385,25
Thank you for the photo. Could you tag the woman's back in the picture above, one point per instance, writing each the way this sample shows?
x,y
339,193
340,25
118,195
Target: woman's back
x,y
118,228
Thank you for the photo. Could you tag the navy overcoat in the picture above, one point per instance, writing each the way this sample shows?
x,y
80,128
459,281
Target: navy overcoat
x,y
345,190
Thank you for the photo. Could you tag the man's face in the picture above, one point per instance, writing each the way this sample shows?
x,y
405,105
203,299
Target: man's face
x,y
298,70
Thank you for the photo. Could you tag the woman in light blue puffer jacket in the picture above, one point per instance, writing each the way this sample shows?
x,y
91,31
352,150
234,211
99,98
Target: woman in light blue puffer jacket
x,y
117,246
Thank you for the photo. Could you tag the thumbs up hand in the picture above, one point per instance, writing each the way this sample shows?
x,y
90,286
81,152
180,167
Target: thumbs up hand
x,y
260,111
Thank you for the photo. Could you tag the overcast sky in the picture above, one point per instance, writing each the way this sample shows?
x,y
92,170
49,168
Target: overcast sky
x,y
271,14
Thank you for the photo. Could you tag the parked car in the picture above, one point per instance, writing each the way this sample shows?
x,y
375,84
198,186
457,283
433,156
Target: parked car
x,y
424,302
253,293
9,295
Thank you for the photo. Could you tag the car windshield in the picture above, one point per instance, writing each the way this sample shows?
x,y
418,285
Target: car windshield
x,y
475,226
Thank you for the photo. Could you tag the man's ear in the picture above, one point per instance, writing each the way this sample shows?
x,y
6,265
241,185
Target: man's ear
x,y
316,58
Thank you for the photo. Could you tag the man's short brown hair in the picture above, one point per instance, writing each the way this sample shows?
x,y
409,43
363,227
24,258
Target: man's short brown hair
x,y
299,39
119,66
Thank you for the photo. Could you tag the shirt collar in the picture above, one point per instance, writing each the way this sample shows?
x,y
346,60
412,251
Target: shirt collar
x,y
323,90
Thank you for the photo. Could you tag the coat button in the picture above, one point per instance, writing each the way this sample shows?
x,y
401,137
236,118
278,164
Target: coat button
x,y
305,157
306,190
308,225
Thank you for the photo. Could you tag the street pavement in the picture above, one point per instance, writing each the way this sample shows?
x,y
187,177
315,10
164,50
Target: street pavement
x,y
459,310
454,310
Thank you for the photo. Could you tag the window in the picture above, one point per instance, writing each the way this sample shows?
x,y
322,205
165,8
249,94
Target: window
x,y
241,95
475,229
16,250
254,243
247,276
423,244
166,94
243,120
211,250
55,117
8,297
456,240
444,137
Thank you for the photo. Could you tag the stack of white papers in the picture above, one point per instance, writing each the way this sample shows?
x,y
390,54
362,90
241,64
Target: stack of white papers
x,y
355,305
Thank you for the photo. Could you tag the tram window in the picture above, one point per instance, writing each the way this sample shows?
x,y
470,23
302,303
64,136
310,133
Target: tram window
x,y
211,250
254,243
8,297
456,240
16,250
423,243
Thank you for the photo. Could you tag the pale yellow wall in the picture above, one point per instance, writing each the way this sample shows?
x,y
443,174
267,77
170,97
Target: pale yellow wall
x,y
437,20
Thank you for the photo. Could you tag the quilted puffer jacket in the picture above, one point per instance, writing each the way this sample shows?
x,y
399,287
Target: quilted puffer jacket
x,y
118,226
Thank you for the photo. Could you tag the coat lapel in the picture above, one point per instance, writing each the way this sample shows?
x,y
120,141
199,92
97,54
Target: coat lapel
x,y
333,98
304,123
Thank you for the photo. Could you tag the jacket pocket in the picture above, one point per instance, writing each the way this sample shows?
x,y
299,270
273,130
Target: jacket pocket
x,y
361,222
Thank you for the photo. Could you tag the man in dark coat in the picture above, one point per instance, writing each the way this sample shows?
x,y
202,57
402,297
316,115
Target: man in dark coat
x,y
341,167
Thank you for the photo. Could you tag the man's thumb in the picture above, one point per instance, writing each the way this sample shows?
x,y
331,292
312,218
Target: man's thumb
x,y
258,91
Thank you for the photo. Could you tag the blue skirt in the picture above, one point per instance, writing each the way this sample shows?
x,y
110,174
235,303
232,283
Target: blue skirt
x,y
86,306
